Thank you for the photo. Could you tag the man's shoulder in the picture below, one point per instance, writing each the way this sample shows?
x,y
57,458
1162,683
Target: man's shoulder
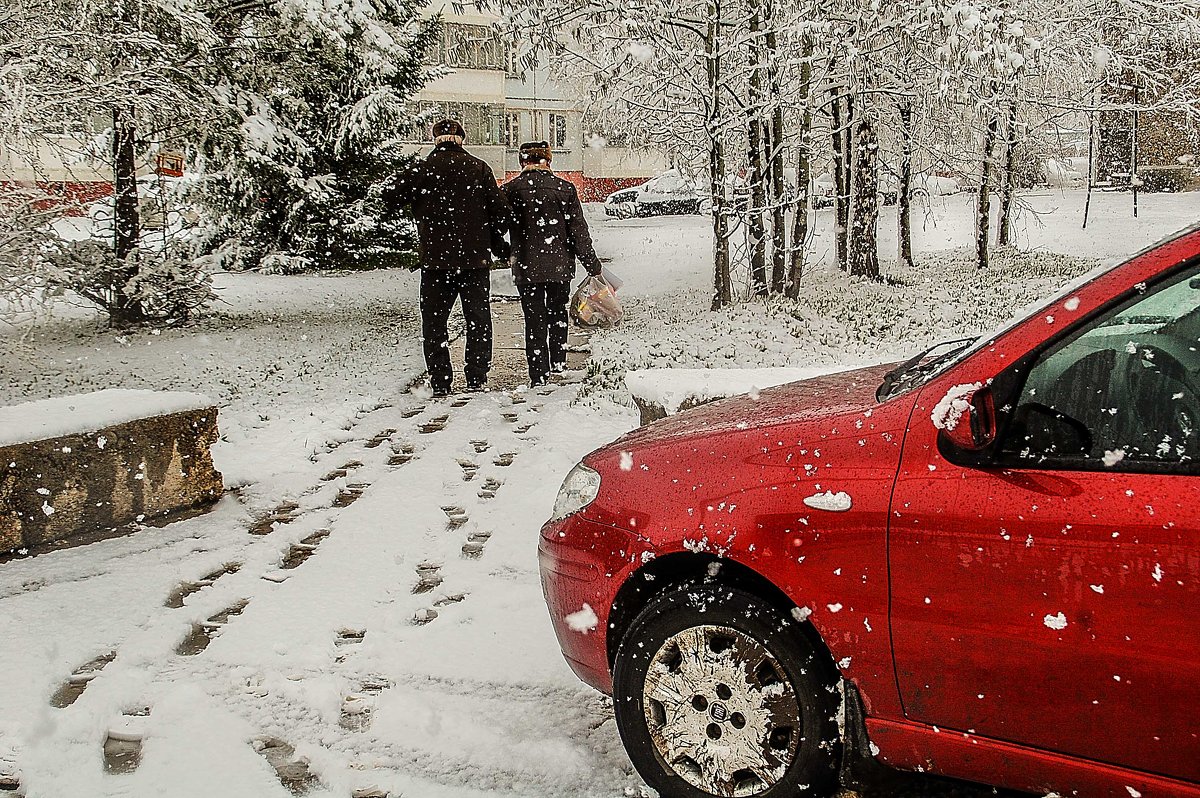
x,y
474,160
561,183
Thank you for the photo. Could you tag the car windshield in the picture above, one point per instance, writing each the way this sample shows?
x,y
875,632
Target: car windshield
x,y
916,371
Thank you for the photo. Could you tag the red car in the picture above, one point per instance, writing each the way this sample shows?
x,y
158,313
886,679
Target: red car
x,y
982,563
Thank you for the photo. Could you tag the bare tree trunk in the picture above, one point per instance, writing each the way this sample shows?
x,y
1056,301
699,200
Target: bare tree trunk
x,y
722,283
803,177
904,198
756,139
779,242
983,200
122,308
1007,177
841,168
864,246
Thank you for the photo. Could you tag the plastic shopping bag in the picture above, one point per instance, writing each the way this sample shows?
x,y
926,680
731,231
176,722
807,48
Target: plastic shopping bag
x,y
595,304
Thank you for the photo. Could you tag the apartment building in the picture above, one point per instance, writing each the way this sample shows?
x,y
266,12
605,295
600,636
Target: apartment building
x,y
501,106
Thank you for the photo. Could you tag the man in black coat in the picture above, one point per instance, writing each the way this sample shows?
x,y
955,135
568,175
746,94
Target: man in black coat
x,y
460,216
548,234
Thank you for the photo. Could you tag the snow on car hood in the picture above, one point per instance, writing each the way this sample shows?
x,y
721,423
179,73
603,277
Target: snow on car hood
x,y
820,397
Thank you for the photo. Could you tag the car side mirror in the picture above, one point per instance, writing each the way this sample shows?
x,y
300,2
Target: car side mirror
x,y
966,418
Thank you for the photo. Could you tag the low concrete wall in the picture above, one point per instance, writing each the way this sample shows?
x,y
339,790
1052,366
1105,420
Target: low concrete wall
x,y
652,411
659,393
58,487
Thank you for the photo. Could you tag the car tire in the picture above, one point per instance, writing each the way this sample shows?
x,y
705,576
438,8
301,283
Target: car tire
x,y
705,661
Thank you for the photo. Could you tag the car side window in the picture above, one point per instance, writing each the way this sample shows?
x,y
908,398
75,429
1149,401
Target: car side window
x,y
1122,394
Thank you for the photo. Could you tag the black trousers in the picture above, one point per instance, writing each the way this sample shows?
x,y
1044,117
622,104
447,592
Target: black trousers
x,y
439,289
545,308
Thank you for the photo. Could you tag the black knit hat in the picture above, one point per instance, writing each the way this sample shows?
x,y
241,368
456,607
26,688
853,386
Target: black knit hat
x,y
449,127
535,152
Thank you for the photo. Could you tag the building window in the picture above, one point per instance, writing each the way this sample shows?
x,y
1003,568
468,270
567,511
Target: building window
x,y
483,122
466,46
512,130
558,131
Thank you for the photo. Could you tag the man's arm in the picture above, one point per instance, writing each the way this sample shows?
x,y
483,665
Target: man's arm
x,y
498,212
405,186
581,238
514,230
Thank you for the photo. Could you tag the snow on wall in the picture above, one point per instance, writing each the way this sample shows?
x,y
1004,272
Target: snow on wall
x,y
70,196
671,388
89,412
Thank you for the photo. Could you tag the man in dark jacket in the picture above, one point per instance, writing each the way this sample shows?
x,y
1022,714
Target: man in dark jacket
x,y
460,212
548,234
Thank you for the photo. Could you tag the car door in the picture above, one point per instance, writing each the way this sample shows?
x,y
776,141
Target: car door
x,y
1049,595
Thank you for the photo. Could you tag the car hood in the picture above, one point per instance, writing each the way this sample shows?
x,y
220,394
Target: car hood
x,y
806,400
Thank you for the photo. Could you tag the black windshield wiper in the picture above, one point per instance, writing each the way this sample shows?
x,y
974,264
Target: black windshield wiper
x,y
893,377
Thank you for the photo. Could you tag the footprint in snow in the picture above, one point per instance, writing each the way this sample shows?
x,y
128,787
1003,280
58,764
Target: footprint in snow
x,y
424,616
184,589
339,473
202,634
472,549
358,706
469,469
490,486
413,411
456,517
292,771
379,438
285,513
298,553
349,494
401,454
429,576
123,745
70,690
434,425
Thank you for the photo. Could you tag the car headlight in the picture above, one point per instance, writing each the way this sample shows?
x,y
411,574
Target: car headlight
x,y
578,490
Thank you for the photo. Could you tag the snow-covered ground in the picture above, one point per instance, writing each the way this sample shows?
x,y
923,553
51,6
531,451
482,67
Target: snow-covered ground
x,y
372,586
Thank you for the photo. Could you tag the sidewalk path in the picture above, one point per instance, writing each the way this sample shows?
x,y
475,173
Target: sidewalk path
x,y
509,370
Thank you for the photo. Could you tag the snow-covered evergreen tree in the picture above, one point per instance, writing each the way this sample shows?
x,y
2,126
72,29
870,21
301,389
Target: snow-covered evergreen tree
x,y
107,82
309,134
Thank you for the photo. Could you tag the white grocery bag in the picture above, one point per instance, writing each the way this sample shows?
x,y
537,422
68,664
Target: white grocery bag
x,y
595,304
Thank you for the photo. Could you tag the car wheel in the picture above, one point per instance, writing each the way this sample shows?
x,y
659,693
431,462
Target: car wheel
x,y
716,693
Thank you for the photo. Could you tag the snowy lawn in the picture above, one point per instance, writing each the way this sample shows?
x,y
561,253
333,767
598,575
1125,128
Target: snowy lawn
x,y
369,597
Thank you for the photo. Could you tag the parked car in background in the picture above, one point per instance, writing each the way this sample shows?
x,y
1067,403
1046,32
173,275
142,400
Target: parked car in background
x,y
983,562
666,194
